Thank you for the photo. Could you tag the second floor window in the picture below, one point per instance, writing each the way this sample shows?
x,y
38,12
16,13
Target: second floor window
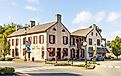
x,y
12,42
90,41
65,40
17,41
98,42
51,39
24,39
41,39
35,40
30,39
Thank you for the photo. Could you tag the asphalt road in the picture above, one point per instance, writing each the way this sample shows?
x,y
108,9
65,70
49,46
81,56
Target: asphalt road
x,y
108,68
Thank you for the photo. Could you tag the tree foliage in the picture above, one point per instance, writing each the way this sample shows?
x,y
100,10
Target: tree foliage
x,y
116,46
4,43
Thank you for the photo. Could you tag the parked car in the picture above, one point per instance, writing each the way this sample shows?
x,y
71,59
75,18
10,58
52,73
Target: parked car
x,y
100,58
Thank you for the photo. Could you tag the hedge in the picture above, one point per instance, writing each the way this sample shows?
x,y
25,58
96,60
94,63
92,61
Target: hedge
x,y
7,70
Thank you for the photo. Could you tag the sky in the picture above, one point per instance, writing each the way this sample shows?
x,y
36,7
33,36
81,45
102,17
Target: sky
x,y
76,14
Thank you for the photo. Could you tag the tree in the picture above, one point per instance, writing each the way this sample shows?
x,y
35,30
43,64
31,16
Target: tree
x,y
108,44
4,43
116,46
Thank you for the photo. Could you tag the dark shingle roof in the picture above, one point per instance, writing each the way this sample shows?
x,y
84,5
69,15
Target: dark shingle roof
x,y
35,29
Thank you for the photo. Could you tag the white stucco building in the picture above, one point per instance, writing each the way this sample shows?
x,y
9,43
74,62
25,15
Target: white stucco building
x,y
53,41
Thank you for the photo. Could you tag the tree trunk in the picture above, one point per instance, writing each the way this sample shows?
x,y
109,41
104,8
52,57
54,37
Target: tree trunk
x,y
117,57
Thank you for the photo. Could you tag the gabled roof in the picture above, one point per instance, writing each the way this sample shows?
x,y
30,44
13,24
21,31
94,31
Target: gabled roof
x,y
35,29
82,32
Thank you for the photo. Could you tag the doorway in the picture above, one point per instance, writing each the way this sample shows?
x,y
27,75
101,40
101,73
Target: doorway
x,y
58,53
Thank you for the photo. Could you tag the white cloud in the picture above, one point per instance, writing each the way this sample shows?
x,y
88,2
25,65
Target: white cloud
x,y
113,16
33,1
82,17
30,8
13,4
99,16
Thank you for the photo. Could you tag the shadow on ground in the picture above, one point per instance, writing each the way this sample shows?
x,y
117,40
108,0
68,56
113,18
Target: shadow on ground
x,y
53,74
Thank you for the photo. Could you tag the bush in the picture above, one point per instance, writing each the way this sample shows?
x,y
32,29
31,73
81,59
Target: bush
x,y
8,70
81,65
62,64
2,58
8,59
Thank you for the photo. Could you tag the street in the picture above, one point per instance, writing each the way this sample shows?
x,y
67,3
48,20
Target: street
x,y
107,68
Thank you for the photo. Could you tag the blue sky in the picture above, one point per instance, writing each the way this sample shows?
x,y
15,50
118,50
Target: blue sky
x,y
75,13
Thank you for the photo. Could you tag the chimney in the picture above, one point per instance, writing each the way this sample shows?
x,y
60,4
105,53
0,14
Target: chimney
x,y
58,17
32,24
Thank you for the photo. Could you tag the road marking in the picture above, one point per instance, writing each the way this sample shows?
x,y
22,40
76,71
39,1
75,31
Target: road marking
x,y
109,66
117,67
104,66
37,68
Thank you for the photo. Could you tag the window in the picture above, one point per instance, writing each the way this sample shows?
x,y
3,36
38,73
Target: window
x,y
90,41
92,33
24,39
51,39
65,40
41,39
65,51
54,29
9,41
96,34
63,30
16,52
35,40
73,41
12,52
17,42
24,51
90,54
98,42
51,52
12,42
30,39
42,54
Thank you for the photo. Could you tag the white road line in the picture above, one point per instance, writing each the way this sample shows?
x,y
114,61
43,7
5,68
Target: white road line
x,y
103,66
109,66
117,67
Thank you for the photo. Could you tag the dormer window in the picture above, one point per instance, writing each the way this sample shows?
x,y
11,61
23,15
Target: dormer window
x,y
54,29
92,33
96,34
63,30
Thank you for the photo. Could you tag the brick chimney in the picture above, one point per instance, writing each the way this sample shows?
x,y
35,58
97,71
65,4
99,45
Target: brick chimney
x,y
32,24
58,17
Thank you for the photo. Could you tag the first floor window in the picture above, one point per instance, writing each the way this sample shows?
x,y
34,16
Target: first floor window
x,y
16,52
90,54
65,40
41,39
35,40
51,52
24,39
51,39
30,39
90,41
12,42
98,42
65,51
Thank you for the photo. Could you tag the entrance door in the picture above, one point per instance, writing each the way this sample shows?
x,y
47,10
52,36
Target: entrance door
x,y
77,54
58,53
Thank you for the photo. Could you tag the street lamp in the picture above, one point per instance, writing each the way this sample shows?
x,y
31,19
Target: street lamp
x,y
85,45
25,59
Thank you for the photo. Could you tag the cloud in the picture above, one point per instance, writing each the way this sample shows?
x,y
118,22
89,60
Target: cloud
x,y
13,4
100,16
33,1
82,17
31,8
113,16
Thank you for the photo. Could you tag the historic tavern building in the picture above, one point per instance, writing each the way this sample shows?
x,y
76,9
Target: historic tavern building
x,y
54,41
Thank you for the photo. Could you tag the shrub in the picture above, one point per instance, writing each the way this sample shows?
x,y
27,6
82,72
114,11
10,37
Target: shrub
x,y
8,70
2,58
62,64
8,59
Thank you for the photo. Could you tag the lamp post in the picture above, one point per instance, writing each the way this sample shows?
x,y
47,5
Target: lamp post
x,y
25,59
85,45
